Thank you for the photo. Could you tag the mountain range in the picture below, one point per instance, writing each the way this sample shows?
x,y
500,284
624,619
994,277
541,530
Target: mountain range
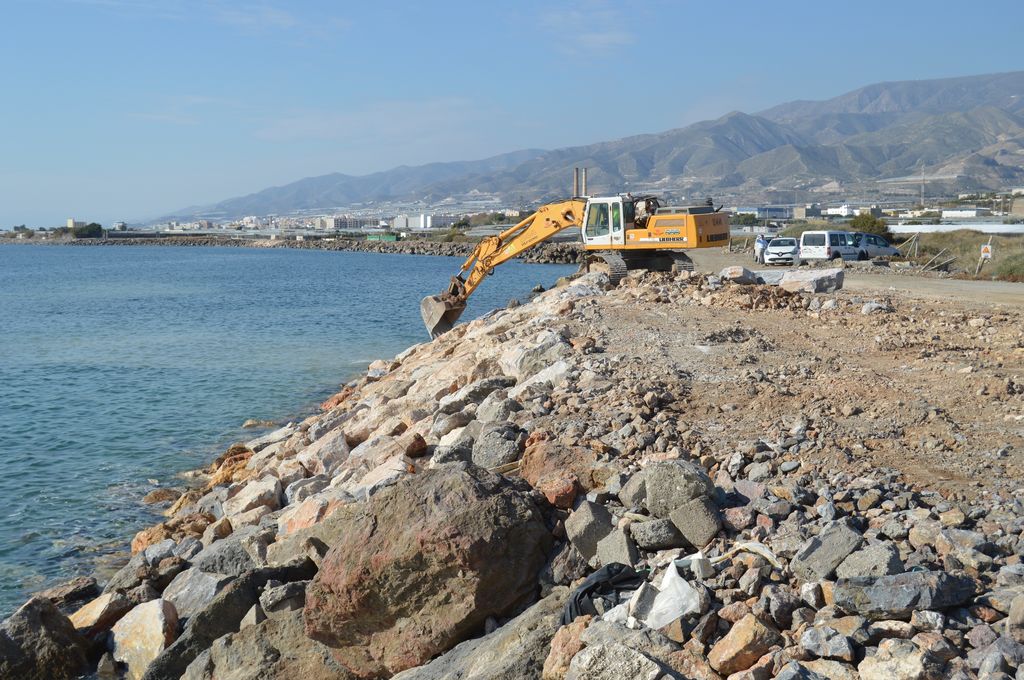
x,y
966,133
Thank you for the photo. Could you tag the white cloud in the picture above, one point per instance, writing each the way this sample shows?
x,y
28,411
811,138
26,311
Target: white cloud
x,y
588,27
252,17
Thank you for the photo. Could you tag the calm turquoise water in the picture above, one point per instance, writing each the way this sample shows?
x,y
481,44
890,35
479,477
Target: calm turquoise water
x,y
120,365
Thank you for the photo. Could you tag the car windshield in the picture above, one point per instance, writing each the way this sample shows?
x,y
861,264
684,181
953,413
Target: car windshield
x,y
783,242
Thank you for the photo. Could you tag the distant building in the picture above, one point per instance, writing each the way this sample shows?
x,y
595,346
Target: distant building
x,y
962,213
774,212
422,221
119,226
72,223
806,212
841,211
874,211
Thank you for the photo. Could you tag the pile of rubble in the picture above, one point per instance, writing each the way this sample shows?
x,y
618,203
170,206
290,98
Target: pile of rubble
x,y
546,493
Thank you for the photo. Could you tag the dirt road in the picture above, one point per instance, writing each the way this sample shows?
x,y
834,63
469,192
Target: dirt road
x,y
975,294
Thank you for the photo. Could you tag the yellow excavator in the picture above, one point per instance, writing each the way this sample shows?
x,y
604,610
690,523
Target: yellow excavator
x,y
626,232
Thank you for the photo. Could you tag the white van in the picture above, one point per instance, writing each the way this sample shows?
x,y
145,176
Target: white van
x,y
827,245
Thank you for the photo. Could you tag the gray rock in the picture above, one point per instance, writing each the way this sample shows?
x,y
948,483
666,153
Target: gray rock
x,y
633,493
281,598
827,643
616,547
193,589
227,556
275,649
649,642
301,489
657,534
818,557
492,657
222,616
473,393
612,661
794,670
1014,625
498,444
738,274
37,642
875,308
896,597
586,526
1011,575
880,559
671,484
189,547
697,520
497,410
812,281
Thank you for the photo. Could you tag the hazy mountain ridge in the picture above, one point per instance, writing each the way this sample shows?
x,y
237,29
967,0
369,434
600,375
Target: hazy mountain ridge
x,y
970,126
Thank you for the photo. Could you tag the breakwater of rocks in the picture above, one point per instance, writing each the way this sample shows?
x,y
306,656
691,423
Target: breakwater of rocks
x,y
602,483
545,253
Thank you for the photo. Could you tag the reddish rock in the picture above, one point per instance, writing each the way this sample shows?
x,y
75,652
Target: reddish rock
x,y
549,458
743,645
415,445
560,490
178,528
161,496
336,399
565,645
422,565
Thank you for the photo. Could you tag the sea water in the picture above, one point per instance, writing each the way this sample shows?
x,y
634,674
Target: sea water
x,y
123,366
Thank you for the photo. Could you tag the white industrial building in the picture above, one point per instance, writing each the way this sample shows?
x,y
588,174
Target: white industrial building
x,y
961,213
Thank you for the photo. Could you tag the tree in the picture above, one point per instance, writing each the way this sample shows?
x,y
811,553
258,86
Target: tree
x,y
745,220
870,225
91,230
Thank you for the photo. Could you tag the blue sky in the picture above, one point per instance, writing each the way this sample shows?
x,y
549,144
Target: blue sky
x,y
128,109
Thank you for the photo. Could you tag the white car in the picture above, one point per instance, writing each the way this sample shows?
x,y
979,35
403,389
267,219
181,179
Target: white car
x,y
870,245
782,251
828,245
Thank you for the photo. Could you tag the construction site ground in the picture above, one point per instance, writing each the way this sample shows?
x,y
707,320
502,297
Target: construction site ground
x,y
933,387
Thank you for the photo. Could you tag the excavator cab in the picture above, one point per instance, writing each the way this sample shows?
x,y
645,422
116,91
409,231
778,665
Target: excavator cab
x,y
606,220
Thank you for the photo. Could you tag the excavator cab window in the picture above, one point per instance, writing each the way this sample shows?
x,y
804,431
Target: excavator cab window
x,y
616,217
597,220
628,213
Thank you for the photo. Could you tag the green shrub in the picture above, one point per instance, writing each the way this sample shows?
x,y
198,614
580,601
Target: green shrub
x,y
1010,268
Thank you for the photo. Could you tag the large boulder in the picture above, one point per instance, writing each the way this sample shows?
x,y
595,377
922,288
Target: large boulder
x,y
422,565
276,649
39,643
143,633
812,281
670,484
897,597
514,651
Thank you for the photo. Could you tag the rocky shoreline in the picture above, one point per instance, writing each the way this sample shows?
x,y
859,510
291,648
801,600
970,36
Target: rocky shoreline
x,y
545,253
679,477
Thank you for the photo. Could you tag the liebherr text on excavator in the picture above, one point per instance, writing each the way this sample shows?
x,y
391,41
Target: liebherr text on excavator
x,y
626,232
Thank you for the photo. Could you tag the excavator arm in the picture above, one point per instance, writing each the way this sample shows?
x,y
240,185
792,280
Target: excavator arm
x,y
440,312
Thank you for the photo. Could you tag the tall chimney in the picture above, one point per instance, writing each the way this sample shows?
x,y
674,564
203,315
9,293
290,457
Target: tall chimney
x,y
584,188
575,182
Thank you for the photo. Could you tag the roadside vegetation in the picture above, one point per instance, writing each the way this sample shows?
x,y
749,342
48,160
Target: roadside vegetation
x,y
1007,261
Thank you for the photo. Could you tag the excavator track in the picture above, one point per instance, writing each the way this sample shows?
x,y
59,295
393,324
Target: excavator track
x,y
680,262
617,267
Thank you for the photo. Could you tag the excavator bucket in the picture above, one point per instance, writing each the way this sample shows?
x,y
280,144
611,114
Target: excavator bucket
x,y
440,314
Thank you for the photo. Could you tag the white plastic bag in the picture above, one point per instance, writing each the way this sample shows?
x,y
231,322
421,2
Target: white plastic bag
x,y
676,598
